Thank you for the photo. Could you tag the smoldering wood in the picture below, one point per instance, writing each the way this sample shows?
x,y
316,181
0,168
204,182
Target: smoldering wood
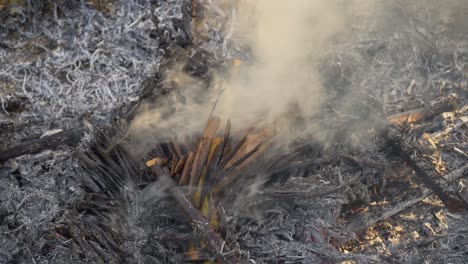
x,y
202,152
229,156
423,168
253,137
184,178
435,108
258,142
361,222
247,156
226,139
180,165
238,167
177,149
69,137
200,225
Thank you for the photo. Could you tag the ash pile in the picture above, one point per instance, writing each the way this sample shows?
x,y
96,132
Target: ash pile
x,y
233,132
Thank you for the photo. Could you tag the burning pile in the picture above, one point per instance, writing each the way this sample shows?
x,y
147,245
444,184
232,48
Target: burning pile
x,y
217,162
316,186
210,175
207,172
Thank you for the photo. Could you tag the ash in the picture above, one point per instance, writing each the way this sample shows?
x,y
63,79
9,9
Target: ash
x,y
72,64
63,62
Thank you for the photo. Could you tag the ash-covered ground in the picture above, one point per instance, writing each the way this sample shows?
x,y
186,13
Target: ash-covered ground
x,y
63,62
68,64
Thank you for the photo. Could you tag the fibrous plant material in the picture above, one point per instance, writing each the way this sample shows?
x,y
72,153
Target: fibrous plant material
x,y
206,171
200,225
361,222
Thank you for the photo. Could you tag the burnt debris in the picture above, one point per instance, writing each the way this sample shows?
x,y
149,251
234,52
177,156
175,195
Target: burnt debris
x,y
380,179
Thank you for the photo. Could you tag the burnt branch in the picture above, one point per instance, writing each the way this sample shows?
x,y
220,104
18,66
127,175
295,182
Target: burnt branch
x,y
423,168
361,222
435,108
33,146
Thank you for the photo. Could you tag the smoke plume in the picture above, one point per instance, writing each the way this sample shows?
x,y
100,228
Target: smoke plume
x,y
287,41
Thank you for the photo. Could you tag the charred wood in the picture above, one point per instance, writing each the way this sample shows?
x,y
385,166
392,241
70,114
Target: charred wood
x,y
202,152
435,108
361,222
423,168
184,178
33,146
200,225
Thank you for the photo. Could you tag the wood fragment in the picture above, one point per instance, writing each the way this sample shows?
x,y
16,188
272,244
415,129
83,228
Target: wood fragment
x,y
232,152
463,122
226,139
423,169
252,140
214,243
33,146
202,152
457,174
208,175
170,148
184,178
235,171
177,149
435,108
195,255
242,159
242,155
180,165
173,164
